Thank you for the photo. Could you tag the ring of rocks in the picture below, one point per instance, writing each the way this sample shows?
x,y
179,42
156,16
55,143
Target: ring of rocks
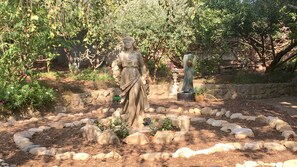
x,y
22,139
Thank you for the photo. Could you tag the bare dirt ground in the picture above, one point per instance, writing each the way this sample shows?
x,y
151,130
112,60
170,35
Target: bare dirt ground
x,y
201,136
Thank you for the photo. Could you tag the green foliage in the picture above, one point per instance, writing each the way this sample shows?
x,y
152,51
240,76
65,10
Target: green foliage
x,y
120,128
199,90
243,77
16,97
92,75
207,66
157,124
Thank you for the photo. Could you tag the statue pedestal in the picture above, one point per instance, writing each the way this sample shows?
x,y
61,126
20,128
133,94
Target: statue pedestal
x,y
186,96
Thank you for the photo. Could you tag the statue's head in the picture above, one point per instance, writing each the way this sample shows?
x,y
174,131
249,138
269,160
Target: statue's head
x,y
128,42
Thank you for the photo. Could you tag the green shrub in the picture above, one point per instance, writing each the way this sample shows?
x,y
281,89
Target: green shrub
x,y
207,66
120,128
92,75
15,97
155,125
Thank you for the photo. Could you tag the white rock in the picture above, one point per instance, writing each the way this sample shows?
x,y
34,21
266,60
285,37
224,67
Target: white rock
x,y
228,114
137,139
64,156
151,109
81,156
197,111
179,136
34,130
250,164
290,163
77,123
39,151
113,155
218,123
155,156
235,115
185,123
91,132
274,146
210,121
163,137
161,109
241,133
292,145
220,114
108,137
253,146
289,134
229,127
183,152
69,125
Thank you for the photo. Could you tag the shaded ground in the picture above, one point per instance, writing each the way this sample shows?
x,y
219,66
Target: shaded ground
x,y
202,136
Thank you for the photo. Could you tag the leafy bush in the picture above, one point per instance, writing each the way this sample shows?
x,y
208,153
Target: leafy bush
x,y
166,125
15,97
207,66
92,75
200,90
120,128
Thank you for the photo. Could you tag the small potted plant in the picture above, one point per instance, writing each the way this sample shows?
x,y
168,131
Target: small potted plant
x,y
199,93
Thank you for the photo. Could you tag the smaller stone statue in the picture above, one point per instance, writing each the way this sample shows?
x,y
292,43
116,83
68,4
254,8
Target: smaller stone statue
x,y
188,93
188,74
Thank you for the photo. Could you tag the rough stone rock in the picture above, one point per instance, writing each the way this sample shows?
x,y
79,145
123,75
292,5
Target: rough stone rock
x,y
64,156
290,163
91,132
229,127
248,164
206,111
161,109
29,147
151,109
175,121
198,120
273,122
68,125
261,119
23,134
184,152
87,121
282,126
81,156
289,135
248,118
220,114
113,155
274,146
60,109
210,121
155,156
241,133
228,114
57,125
185,123
235,115
34,130
178,136
253,146
44,127
291,145
197,111
218,123
40,151
222,147
77,123
137,139
191,111
163,137
108,137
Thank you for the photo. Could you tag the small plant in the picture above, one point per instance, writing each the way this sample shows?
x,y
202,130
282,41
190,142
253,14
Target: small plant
x,y
200,90
120,128
166,125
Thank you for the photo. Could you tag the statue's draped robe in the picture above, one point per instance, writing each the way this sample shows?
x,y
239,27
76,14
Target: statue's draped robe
x,y
133,91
